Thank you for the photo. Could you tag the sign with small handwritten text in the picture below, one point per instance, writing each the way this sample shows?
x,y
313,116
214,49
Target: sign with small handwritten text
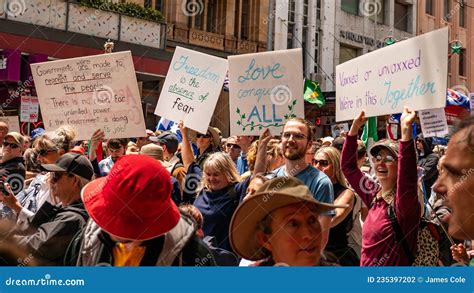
x,y
411,72
89,93
191,89
266,89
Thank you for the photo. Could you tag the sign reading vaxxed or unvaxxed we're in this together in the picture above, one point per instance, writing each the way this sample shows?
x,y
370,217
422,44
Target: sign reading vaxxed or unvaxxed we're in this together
x,y
266,90
89,93
191,89
412,73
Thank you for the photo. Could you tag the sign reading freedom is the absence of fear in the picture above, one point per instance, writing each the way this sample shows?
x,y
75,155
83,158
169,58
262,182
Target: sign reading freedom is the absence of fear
x,y
266,90
191,89
412,73
89,93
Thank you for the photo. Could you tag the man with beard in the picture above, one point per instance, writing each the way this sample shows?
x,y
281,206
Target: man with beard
x,y
295,140
116,148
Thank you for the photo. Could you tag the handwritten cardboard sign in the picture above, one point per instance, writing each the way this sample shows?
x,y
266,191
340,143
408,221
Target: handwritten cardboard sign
x,y
89,93
411,72
433,122
29,109
266,89
191,89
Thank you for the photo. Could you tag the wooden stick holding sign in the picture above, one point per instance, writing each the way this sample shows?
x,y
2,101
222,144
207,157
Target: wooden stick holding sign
x,y
89,93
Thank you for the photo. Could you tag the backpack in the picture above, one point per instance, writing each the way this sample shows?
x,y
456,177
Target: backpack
x,y
427,241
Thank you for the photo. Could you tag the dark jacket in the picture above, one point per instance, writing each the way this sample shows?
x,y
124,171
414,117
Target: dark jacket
x,y
14,172
429,162
52,230
178,247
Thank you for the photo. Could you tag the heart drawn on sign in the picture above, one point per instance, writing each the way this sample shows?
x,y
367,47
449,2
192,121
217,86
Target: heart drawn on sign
x,y
34,125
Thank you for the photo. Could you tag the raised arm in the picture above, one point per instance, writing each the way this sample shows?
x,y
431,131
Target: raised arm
x,y
187,154
261,159
97,137
363,185
407,206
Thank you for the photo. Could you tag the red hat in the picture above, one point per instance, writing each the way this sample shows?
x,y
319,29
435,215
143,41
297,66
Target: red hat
x,y
134,200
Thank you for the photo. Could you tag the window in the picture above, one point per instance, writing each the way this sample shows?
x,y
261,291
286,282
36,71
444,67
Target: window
x,y
462,14
245,26
429,7
291,23
211,16
318,9
159,5
447,10
316,53
379,6
350,6
346,53
147,3
401,17
462,62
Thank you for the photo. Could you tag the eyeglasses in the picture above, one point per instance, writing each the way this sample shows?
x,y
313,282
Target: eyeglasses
x,y
233,145
11,145
323,163
199,135
386,159
43,152
297,136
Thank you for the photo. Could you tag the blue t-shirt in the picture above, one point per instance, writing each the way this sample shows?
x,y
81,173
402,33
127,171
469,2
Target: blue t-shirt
x,y
242,164
318,183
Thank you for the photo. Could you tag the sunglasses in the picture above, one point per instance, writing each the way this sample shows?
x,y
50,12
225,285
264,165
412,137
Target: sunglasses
x,y
297,136
199,135
233,145
386,159
11,145
43,152
323,163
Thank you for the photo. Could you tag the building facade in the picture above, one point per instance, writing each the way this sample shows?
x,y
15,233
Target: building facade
x,y
41,30
459,16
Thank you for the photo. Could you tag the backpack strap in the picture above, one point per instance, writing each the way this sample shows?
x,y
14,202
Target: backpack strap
x,y
398,233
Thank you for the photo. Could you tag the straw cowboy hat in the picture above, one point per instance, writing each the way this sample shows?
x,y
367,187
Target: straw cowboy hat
x,y
273,194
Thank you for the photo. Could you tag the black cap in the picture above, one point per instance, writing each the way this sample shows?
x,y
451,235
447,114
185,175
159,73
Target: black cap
x,y
169,139
72,163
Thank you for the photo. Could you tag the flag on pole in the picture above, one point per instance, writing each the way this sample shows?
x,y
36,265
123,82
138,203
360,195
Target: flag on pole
x,y
369,134
313,94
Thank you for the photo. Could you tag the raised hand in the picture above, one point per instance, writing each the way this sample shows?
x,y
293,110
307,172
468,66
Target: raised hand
x,y
357,124
406,121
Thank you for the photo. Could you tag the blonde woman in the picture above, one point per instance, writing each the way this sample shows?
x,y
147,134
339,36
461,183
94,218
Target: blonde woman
x,y
217,190
328,160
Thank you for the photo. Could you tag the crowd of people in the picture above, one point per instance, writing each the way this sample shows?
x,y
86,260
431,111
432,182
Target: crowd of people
x,y
199,199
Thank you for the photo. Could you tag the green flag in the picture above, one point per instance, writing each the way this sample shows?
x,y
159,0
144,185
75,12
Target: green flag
x,y
313,94
369,134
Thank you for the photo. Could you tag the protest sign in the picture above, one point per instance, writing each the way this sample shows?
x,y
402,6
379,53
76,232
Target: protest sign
x,y
89,93
412,72
29,109
266,89
13,123
339,129
433,122
191,89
